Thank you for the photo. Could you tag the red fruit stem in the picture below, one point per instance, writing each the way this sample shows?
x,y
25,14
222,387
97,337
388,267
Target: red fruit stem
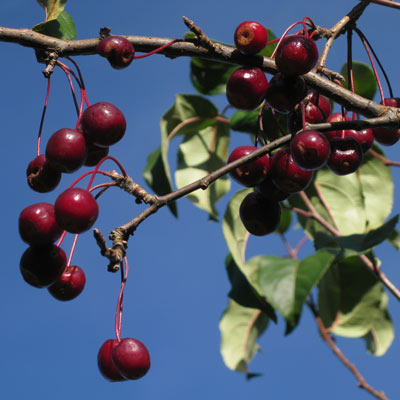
x,y
63,67
118,312
78,122
104,187
58,244
350,59
285,34
88,173
303,116
71,253
368,47
159,49
42,118
82,83
98,166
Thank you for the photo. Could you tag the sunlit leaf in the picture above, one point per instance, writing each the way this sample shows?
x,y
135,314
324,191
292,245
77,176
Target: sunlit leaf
x,y
199,154
240,328
53,8
286,220
62,27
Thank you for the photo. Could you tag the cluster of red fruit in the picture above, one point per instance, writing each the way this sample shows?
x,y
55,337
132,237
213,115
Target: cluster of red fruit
x,y
44,263
290,170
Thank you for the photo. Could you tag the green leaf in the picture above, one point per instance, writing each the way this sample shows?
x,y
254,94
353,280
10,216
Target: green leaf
x,y
62,27
199,154
53,8
286,220
245,121
156,177
189,113
353,303
287,283
357,202
267,52
364,79
240,328
210,77
357,243
394,239
242,292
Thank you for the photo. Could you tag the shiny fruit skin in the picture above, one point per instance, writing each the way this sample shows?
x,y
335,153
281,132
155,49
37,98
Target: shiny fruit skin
x,y
251,173
131,358
250,37
269,190
118,50
284,93
69,285
335,117
95,154
346,156
105,364
310,150
246,88
364,137
42,177
259,215
76,210
103,124
42,266
38,226
286,174
66,150
296,55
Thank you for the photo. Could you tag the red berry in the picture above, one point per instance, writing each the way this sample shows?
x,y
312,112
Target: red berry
x,y
37,225
388,136
105,364
95,154
246,88
310,150
250,37
287,175
42,177
335,117
76,210
284,93
296,55
66,150
269,190
69,285
131,358
118,50
346,156
365,137
42,266
259,215
103,124
251,173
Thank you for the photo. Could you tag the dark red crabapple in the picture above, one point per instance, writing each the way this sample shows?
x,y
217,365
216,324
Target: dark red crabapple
x,y
246,88
42,177
346,156
42,266
335,117
131,358
364,137
296,55
95,154
286,174
317,110
284,93
310,150
69,285
37,225
259,215
388,136
76,210
118,50
250,37
251,173
66,150
269,190
105,364
103,124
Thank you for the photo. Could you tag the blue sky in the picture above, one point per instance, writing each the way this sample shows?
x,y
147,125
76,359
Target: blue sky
x,y
177,288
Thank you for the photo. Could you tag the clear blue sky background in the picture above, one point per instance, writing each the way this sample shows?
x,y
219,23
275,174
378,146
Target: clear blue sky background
x,y
177,289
